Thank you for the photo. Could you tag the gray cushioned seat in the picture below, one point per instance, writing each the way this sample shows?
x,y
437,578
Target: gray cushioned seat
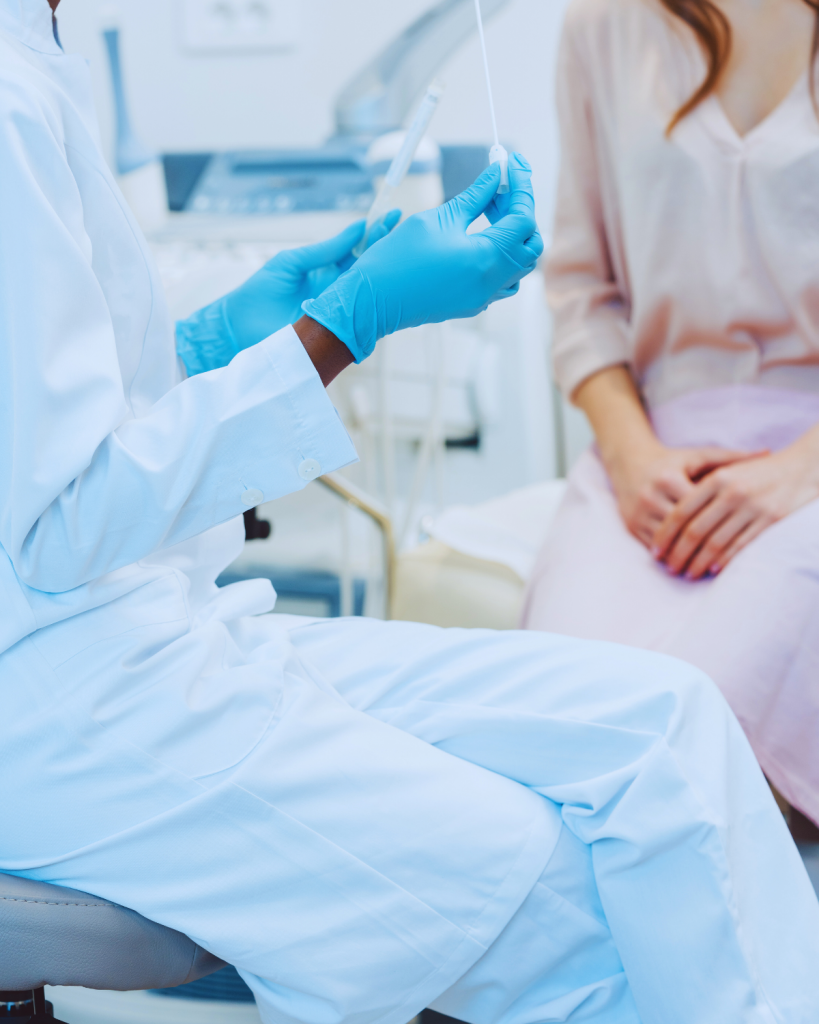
x,y
55,936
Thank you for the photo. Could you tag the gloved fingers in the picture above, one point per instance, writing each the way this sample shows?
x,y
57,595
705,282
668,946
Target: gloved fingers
x,y
383,227
535,245
518,163
512,286
379,230
323,254
470,204
517,231
500,206
506,293
520,198
519,238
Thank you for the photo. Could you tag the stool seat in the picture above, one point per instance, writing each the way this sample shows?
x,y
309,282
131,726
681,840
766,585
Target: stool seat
x,y
50,935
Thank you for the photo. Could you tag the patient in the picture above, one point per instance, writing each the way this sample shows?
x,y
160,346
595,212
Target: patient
x,y
684,280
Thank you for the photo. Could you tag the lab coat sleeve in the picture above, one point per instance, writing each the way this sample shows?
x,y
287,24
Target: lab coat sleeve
x,y
591,330
85,486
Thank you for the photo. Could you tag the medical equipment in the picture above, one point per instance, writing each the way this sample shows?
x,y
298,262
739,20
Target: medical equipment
x,y
139,170
401,164
379,98
497,154
131,153
270,182
335,177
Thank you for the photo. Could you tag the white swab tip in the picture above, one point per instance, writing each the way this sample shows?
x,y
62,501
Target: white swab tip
x,y
498,155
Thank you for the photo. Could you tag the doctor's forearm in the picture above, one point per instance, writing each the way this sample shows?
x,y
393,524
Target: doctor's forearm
x,y
329,355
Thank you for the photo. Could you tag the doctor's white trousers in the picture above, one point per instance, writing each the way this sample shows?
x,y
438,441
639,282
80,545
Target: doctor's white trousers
x,y
355,864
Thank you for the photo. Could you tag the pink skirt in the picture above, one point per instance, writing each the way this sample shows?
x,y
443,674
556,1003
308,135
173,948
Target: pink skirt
x,y
754,629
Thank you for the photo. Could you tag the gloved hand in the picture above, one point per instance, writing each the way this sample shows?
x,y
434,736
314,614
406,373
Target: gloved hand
x,y
269,300
429,269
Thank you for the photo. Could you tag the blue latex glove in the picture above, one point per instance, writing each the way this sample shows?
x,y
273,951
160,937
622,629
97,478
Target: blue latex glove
x,y
269,300
429,269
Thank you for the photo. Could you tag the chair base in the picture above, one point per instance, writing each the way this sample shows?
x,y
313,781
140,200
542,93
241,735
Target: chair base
x,y
26,1006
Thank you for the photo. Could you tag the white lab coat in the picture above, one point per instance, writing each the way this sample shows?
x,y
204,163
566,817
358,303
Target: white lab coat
x,y
352,813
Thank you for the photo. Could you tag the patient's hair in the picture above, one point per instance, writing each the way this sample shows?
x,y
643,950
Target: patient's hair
x,y
714,33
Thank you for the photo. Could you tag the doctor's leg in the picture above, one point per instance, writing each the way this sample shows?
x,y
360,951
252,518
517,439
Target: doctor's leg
x,y
556,959
702,889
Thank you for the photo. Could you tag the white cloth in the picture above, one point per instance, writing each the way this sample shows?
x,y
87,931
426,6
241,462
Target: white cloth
x,y
692,258
509,530
413,787
356,814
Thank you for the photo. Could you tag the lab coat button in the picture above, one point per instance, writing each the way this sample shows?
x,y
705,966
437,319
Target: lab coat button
x,y
252,497
309,469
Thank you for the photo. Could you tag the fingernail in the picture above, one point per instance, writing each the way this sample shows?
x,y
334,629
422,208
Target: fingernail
x,y
715,570
689,576
655,552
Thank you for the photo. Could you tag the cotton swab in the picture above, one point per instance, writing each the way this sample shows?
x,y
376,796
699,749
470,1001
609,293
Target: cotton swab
x,y
497,154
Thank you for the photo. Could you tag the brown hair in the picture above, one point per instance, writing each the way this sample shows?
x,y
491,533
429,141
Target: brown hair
x,y
713,30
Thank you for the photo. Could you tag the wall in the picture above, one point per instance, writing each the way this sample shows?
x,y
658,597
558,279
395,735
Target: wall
x,y
189,102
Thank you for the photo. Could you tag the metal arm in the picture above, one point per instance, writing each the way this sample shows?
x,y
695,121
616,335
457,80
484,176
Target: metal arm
x,y
378,514
379,98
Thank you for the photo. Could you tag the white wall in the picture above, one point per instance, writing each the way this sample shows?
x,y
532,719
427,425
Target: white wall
x,y
187,102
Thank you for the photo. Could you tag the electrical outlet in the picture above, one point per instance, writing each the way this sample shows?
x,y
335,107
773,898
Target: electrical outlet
x,y
225,26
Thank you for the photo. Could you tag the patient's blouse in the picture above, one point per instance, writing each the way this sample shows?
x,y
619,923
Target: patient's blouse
x,y
694,258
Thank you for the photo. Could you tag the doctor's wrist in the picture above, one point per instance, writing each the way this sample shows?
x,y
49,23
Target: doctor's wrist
x,y
329,355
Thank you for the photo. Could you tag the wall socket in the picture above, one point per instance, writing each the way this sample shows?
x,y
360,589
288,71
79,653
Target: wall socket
x,y
230,26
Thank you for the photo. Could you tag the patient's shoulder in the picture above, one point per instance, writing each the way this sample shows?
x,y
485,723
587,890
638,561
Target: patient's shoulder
x,y
596,27
598,13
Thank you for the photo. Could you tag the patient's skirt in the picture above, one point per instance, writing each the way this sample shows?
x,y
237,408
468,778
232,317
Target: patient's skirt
x,y
754,628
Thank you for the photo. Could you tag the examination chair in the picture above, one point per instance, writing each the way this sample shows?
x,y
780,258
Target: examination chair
x,y
55,936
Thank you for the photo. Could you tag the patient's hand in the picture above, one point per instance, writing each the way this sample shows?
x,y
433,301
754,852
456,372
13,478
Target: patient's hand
x,y
727,509
651,483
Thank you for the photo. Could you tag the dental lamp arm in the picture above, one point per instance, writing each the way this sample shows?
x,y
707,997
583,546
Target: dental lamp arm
x,y
380,97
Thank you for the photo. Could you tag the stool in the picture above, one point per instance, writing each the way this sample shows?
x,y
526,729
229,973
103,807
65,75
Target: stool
x,y
50,935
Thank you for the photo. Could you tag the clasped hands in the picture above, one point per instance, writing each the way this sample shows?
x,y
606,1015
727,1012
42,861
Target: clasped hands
x,y
696,508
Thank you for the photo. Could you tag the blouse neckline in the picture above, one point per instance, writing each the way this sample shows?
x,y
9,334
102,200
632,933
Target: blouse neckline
x,y
713,112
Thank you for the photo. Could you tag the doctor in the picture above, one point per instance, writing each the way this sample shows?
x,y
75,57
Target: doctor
x,y
366,818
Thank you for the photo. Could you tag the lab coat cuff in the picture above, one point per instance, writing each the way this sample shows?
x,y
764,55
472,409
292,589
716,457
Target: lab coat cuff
x,y
320,435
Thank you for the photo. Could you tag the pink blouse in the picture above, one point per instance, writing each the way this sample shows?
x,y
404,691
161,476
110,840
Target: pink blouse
x,y
694,259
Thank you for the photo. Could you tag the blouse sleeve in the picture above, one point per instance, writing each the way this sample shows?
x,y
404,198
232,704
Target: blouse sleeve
x,y
86,486
591,328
